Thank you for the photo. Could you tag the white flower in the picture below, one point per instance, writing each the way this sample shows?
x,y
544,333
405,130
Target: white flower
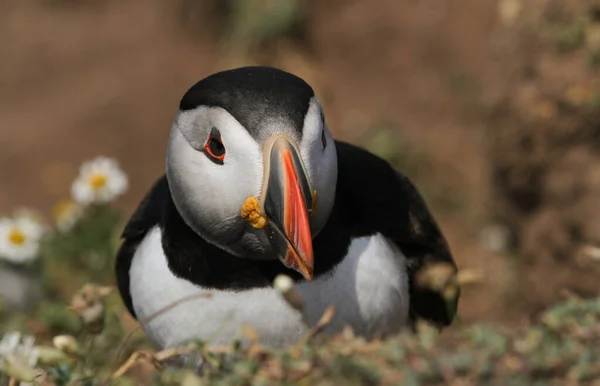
x,y
66,215
21,347
20,237
99,181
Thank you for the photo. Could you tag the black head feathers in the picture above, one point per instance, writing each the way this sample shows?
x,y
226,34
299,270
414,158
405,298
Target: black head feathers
x,y
253,95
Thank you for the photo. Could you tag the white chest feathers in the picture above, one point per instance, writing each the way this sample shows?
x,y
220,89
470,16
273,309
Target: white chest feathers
x,y
368,289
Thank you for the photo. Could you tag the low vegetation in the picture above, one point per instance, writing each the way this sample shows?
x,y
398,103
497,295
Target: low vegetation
x,y
78,333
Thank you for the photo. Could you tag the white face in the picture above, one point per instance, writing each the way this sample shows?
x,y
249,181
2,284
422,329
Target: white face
x,y
209,193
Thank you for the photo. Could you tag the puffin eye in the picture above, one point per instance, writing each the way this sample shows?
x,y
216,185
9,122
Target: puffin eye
x,y
214,148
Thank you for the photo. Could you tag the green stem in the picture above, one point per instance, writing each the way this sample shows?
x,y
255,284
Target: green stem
x,y
88,351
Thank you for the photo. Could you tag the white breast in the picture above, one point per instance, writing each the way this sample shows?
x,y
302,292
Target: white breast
x,y
369,290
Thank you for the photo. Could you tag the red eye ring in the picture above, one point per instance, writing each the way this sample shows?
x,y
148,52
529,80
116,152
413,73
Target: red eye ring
x,y
214,148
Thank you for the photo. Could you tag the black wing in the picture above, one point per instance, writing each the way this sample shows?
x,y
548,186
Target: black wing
x,y
384,201
147,215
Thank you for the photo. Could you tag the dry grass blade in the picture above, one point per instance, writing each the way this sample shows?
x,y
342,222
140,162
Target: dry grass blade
x,y
145,321
175,304
122,346
436,276
250,334
469,276
172,352
155,359
132,360
326,318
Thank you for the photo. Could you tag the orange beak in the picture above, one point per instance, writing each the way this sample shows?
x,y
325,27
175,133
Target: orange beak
x,y
286,199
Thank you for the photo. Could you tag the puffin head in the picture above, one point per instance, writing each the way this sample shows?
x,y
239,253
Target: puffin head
x,y
252,166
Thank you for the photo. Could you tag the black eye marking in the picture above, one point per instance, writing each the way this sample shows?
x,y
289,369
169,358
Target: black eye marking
x,y
214,148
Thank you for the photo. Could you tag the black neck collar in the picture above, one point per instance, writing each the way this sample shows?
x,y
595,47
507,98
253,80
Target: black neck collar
x,y
192,258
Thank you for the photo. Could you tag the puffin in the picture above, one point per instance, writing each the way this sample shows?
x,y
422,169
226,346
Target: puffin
x,y
256,187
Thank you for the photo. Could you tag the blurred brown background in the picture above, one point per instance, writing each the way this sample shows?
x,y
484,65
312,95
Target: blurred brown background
x,y
490,106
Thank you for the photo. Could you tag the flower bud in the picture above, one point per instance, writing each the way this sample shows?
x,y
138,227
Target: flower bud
x,y
67,344
285,286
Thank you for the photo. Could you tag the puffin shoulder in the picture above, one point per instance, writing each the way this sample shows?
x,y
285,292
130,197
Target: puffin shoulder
x,y
385,201
147,216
